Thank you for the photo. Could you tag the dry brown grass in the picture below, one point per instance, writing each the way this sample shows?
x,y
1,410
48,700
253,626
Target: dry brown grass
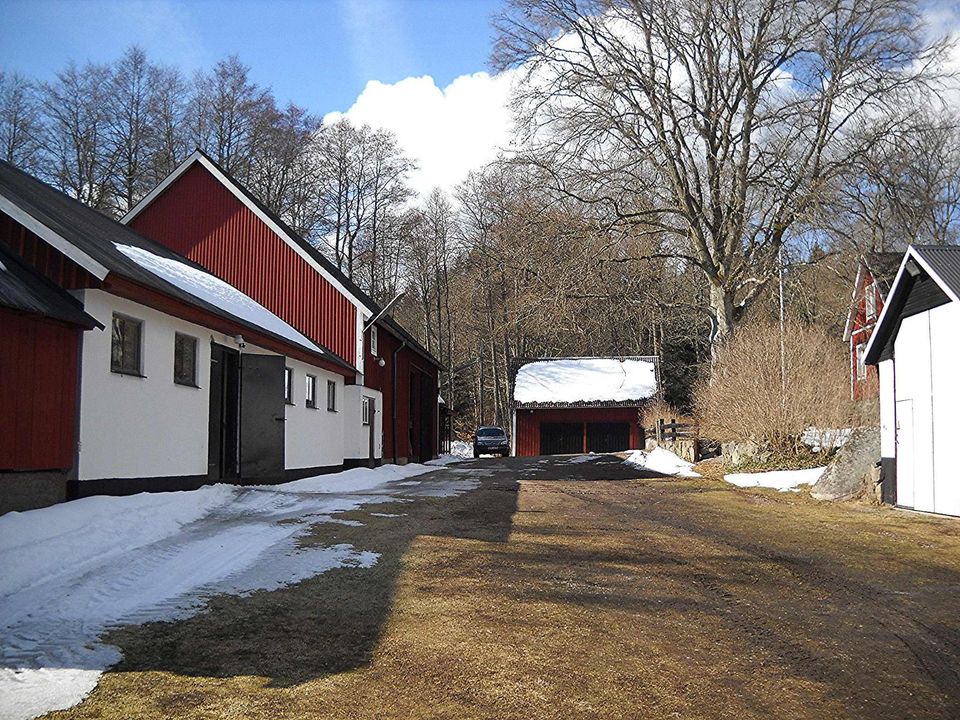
x,y
752,396
630,600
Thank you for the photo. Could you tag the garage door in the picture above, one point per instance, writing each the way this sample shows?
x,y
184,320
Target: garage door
x,y
561,438
608,437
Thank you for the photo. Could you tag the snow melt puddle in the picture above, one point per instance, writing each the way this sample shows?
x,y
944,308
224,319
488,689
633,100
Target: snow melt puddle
x,y
579,459
71,572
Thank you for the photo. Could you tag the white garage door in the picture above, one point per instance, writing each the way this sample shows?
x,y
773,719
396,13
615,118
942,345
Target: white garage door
x,y
915,443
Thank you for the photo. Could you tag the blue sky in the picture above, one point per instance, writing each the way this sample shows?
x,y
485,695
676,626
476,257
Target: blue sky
x,y
319,53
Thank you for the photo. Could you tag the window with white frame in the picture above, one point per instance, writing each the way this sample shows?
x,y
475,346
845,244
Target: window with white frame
x,y
366,411
331,396
861,365
311,391
288,385
871,300
126,345
184,360
374,341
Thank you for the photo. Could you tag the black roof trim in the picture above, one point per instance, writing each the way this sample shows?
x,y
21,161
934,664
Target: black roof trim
x,y
935,271
327,265
25,289
97,235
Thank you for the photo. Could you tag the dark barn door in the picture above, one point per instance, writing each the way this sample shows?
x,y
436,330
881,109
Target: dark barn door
x,y
262,408
608,437
561,438
224,413
428,409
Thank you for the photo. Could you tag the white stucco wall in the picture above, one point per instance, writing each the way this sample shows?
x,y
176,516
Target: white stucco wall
x,y
945,372
314,437
141,427
914,413
928,410
356,434
132,427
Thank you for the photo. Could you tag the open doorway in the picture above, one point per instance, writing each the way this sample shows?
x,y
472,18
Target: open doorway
x,y
223,453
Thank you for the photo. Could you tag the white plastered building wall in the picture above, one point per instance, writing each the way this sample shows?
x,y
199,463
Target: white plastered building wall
x,y
134,427
927,407
357,435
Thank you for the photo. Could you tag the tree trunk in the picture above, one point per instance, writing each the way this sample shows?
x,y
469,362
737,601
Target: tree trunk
x,y
721,309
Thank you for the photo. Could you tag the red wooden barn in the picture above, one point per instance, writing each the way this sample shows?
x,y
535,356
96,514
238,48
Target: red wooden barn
x,y
200,211
41,325
875,274
579,405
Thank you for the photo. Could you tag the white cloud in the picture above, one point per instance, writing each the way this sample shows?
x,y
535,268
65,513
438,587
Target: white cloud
x,y
448,131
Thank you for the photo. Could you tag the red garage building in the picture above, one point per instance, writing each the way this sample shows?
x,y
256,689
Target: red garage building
x,y
578,405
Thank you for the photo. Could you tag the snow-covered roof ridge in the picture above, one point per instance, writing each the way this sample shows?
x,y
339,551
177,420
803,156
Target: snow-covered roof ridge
x,y
583,381
211,289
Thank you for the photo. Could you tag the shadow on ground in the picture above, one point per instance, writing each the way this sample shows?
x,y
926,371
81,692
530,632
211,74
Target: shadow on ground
x,y
331,623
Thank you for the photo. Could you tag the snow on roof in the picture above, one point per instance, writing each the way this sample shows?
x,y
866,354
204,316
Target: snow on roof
x,y
213,290
585,380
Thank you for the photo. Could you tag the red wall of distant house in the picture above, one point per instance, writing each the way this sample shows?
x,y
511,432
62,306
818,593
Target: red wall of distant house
x,y
198,217
528,424
861,330
381,378
38,392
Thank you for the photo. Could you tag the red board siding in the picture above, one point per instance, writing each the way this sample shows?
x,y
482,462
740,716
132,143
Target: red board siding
x,y
45,258
528,424
38,392
198,217
381,378
861,330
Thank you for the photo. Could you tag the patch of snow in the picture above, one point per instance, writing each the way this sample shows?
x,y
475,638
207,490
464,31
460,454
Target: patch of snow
x,y
213,290
819,439
387,515
782,480
569,380
70,572
661,460
459,450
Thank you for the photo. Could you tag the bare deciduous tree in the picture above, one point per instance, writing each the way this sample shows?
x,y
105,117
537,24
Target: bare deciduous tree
x,y
715,125
20,122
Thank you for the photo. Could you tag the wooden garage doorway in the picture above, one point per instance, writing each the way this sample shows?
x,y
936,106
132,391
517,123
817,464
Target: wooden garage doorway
x,y
561,438
608,437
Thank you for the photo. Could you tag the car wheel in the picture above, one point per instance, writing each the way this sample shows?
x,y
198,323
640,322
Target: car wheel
x,y
475,454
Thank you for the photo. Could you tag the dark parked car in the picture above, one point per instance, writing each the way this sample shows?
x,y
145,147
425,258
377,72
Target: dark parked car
x,y
490,441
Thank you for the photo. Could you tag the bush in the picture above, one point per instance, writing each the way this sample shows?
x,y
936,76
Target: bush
x,y
747,397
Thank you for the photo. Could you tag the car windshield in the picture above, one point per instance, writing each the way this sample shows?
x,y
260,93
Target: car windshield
x,y
490,432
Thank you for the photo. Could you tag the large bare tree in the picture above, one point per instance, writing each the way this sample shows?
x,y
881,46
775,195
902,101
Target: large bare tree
x,y
19,122
714,125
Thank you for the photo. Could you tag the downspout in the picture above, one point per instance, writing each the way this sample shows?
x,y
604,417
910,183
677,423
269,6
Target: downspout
x,y
393,394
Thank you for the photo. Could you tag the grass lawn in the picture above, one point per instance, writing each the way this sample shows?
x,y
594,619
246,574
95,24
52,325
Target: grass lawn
x,y
536,597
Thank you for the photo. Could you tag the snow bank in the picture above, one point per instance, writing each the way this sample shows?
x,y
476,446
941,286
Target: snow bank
x,y
94,529
662,461
71,571
216,292
782,480
585,380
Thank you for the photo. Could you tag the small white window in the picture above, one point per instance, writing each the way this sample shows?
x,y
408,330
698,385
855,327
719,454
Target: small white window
x,y
288,385
871,301
331,396
374,344
366,411
311,391
861,365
